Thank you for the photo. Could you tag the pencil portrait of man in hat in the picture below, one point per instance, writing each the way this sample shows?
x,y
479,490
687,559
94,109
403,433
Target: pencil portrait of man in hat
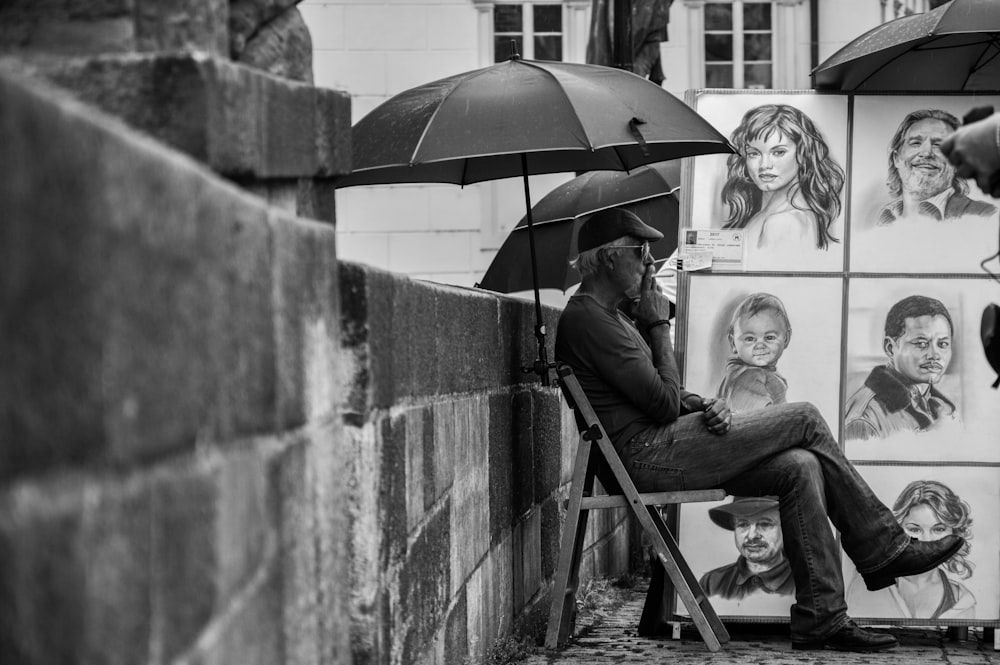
x,y
762,567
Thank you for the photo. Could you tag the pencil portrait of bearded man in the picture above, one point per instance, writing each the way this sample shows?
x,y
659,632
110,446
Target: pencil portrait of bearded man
x,y
921,180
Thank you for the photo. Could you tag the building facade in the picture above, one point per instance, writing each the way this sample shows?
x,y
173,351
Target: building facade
x,y
374,49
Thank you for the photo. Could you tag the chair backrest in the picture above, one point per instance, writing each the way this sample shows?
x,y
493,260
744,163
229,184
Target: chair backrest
x,y
588,424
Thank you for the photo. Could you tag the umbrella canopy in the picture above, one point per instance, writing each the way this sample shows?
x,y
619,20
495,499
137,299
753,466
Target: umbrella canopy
x,y
520,118
648,191
555,116
953,47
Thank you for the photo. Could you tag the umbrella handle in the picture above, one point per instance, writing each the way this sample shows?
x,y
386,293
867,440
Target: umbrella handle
x,y
541,364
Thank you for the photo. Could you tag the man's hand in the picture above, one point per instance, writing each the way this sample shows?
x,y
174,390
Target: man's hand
x,y
653,305
718,417
974,150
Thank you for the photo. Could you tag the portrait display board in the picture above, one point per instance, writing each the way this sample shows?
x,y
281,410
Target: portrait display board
x,y
860,290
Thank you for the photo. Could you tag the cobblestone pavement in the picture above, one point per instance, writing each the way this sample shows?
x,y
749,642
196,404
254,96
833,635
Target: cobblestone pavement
x,y
612,639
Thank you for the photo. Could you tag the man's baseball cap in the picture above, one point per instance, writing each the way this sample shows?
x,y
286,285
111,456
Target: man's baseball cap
x,y
611,224
741,506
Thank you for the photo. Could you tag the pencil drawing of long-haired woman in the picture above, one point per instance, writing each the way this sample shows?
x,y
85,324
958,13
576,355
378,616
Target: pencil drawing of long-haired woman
x,y
783,185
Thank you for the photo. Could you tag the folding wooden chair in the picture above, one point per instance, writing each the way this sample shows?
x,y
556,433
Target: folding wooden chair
x,y
602,461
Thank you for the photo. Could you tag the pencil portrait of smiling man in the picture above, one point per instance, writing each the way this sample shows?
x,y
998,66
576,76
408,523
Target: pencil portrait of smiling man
x,y
921,180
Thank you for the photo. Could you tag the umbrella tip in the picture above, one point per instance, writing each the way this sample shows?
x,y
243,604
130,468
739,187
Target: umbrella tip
x,y
513,50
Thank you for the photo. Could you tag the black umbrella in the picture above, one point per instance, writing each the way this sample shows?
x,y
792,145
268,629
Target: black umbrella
x,y
953,47
648,191
520,118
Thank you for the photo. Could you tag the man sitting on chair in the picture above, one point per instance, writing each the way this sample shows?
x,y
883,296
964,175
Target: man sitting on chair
x,y
670,439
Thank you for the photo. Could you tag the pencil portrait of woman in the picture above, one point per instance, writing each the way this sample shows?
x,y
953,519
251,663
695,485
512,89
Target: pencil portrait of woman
x,y
783,186
927,510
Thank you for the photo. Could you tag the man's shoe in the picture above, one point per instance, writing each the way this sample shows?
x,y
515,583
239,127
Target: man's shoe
x,y
918,557
851,638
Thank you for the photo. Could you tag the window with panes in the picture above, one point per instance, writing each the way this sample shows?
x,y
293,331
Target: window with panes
x,y
536,29
739,44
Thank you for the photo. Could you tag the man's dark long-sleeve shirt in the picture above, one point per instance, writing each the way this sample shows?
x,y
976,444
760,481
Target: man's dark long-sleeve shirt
x,y
614,365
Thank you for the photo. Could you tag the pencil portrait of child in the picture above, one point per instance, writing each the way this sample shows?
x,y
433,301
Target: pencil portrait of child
x,y
759,332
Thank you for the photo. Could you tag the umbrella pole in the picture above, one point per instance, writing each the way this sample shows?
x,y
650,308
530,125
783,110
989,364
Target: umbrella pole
x,y
541,365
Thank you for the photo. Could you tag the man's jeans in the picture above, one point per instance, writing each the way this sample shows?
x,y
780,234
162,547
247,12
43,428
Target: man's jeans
x,y
786,451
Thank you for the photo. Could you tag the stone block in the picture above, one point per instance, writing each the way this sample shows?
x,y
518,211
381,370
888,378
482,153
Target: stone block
x,y
242,527
288,119
368,300
478,629
43,613
114,26
182,25
425,586
433,481
413,344
369,604
252,631
145,312
332,142
523,457
316,199
501,558
527,578
248,17
547,447
282,48
240,121
470,519
519,344
456,636
307,298
392,490
552,518
331,478
116,548
183,554
416,491
292,506
444,452
468,341
501,464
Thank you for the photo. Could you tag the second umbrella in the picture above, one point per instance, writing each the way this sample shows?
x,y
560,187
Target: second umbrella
x,y
648,191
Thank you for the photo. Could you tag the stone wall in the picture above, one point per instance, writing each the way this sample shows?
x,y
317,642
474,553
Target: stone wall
x,y
218,443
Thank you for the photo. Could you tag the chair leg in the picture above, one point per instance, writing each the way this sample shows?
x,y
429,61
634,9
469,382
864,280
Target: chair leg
x,y
562,611
691,582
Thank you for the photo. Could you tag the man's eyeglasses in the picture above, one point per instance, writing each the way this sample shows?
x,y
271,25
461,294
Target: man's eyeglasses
x,y
644,252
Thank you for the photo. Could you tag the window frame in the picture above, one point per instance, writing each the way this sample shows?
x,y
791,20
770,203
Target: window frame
x,y
528,33
738,63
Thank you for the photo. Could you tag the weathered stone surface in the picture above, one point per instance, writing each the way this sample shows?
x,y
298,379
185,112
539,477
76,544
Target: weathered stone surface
x,y
283,47
247,17
501,466
424,587
523,456
470,521
392,491
238,120
252,631
306,319
42,580
146,305
183,552
546,405
109,26
293,507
